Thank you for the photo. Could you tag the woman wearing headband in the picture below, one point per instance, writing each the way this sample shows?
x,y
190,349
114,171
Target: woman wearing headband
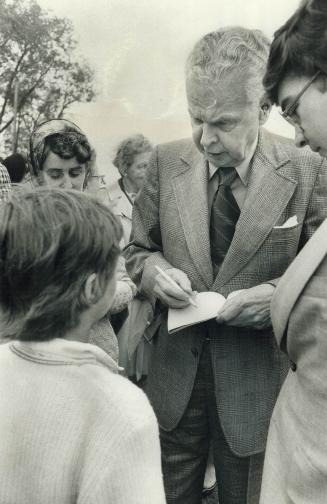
x,y
62,157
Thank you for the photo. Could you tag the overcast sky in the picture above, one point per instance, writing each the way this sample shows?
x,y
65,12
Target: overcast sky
x,y
137,49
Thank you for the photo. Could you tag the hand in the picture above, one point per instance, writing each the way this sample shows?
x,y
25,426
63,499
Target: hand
x,y
249,308
170,295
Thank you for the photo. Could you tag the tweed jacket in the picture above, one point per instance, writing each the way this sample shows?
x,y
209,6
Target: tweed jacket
x,y
296,458
171,229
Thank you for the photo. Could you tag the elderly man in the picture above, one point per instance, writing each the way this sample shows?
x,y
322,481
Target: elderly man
x,y
226,213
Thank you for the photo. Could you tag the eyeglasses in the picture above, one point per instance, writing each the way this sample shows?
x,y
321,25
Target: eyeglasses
x,y
288,113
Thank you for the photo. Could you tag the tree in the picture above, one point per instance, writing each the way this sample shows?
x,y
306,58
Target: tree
x,y
38,51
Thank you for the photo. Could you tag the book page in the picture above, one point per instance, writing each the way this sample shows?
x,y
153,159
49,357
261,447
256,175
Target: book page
x,y
208,305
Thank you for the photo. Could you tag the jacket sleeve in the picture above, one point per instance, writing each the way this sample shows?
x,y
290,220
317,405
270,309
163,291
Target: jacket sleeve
x,y
317,206
125,289
144,251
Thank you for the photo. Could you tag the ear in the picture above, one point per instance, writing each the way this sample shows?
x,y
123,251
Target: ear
x,y
265,108
91,291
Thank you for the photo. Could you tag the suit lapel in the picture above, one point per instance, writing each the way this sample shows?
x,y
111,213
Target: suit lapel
x,y
269,191
294,280
190,189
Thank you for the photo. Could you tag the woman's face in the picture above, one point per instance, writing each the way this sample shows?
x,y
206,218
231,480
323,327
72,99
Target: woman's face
x,y
136,172
63,173
310,114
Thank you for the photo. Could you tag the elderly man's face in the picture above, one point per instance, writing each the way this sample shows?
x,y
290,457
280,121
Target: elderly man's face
x,y
225,124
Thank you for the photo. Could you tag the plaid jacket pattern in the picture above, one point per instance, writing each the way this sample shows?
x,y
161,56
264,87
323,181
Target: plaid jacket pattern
x,y
171,229
4,183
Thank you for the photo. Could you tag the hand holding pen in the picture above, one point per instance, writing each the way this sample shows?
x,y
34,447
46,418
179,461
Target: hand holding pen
x,y
173,288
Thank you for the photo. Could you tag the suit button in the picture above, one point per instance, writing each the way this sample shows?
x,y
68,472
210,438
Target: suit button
x,y
293,366
195,351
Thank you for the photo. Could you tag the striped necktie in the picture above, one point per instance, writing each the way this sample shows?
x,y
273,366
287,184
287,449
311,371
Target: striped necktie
x,y
224,216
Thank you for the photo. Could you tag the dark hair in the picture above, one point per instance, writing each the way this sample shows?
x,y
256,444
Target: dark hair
x,y
63,138
51,240
16,165
128,149
299,47
67,145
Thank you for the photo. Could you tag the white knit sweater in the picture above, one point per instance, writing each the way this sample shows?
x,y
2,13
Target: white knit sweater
x,y
72,430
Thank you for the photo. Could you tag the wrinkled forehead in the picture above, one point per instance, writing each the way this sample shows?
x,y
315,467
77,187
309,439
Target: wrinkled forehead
x,y
226,92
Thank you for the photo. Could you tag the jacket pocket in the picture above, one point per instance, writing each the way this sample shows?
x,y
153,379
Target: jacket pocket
x,y
278,250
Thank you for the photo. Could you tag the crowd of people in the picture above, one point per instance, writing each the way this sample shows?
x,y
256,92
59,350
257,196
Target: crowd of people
x,y
99,401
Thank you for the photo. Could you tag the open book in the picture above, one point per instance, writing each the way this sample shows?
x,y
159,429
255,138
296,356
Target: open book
x,y
208,306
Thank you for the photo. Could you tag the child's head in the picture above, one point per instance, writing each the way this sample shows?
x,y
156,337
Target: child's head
x,y
58,254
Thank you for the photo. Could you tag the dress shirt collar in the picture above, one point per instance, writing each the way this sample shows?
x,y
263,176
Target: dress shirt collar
x,y
243,169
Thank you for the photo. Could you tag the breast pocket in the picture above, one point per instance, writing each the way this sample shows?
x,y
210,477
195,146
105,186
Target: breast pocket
x,y
279,249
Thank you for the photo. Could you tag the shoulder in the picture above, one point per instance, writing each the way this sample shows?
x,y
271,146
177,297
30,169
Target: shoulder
x,y
174,151
300,164
168,158
176,146
283,147
116,397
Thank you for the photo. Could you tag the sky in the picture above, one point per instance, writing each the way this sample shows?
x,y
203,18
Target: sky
x,y
137,49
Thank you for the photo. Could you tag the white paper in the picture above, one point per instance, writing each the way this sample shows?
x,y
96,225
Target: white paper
x,y
208,305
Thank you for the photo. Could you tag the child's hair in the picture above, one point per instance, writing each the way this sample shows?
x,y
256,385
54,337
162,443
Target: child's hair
x,y
51,240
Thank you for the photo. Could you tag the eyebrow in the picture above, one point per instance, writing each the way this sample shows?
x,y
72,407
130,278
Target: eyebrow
x,y
225,116
60,168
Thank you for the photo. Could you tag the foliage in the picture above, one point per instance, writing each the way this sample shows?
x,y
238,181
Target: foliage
x,y
38,51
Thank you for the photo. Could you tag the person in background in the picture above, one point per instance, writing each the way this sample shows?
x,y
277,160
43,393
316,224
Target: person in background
x,y
72,430
62,157
131,159
227,212
5,186
16,165
295,468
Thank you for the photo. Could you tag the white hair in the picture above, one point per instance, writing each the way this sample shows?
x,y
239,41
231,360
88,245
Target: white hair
x,y
236,50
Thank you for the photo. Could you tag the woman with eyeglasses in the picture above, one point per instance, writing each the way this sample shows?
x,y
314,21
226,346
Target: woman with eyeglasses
x,y
295,470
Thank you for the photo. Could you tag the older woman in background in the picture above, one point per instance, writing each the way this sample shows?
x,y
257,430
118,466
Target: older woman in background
x,y
295,469
132,158
62,157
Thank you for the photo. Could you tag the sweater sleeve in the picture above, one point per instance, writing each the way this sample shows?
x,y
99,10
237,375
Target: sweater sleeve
x,y
134,474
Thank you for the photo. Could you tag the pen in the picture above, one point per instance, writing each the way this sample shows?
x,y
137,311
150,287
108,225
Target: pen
x,y
174,284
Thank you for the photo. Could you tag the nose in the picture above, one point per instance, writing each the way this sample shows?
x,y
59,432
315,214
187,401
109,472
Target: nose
x,y
66,183
208,137
300,140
